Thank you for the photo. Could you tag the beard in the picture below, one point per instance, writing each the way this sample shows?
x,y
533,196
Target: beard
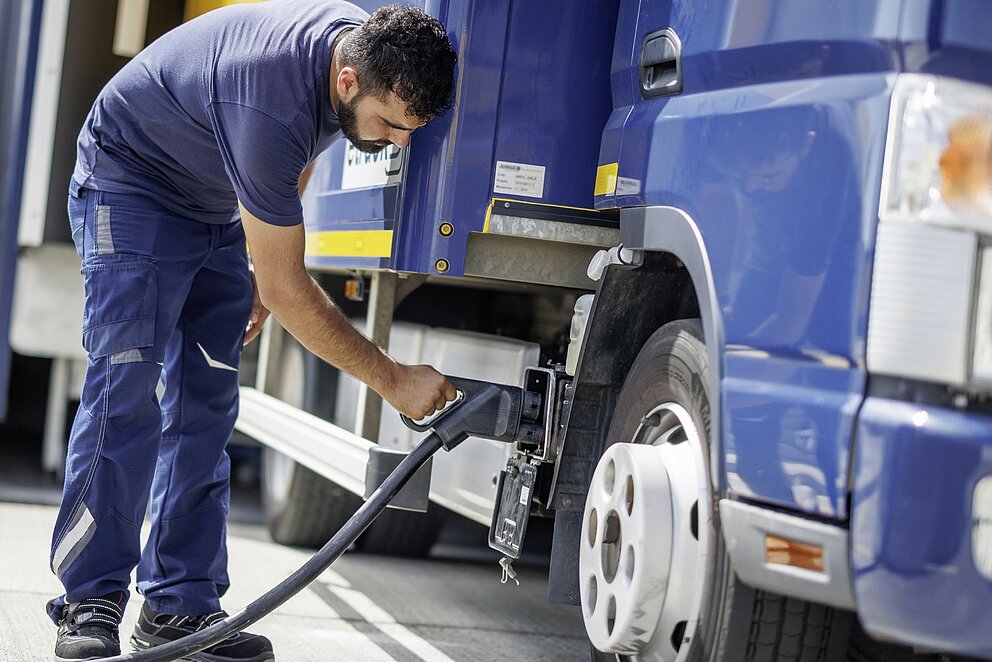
x,y
348,119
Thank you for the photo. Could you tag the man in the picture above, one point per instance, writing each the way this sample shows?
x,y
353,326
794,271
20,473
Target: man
x,y
202,141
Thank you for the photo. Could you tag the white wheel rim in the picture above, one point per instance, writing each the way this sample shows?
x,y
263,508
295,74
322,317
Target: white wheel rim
x,y
642,570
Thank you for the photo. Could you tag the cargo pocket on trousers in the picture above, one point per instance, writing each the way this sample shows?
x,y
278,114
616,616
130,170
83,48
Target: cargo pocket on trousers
x,y
121,300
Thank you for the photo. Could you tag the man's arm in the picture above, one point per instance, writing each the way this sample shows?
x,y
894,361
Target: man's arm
x,y
305,310
260,313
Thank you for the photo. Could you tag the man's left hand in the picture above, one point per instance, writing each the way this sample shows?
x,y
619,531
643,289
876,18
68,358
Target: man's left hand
x,y
259,314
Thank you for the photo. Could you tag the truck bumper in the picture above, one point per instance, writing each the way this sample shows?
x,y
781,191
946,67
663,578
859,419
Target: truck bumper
x,y
919,530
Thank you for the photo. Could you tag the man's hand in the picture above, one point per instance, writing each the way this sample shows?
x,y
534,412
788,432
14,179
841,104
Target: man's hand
x,y
417,391
259,314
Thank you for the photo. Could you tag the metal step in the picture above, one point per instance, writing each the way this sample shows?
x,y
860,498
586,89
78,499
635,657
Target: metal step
x,y
333,452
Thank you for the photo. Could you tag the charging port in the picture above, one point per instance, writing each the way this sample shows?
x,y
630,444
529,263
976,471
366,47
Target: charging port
x,y
549,384
537,443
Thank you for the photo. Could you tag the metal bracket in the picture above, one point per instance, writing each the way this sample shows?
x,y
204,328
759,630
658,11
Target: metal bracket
x,y
386,292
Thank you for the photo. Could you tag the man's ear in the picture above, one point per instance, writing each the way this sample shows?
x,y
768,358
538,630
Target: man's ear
x,y
347,83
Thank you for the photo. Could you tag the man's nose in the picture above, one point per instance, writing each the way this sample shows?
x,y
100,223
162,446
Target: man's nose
x,y
399,138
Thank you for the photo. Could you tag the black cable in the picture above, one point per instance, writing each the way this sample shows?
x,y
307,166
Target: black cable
x,y
308,572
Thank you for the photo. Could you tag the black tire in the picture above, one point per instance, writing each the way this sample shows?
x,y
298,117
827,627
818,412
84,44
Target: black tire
x,y
304,509
309,509
403,533
736,622
314,508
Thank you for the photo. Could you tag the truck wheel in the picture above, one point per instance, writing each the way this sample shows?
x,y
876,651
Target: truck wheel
x,y
305,509
402,533
302,508
654,575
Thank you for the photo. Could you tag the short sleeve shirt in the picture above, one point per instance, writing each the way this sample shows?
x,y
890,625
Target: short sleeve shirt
x,y
230,106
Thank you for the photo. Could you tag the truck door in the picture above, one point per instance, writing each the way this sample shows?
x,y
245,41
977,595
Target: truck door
x,y
763,122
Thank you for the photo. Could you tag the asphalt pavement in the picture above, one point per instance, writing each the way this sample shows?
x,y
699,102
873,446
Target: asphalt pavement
x,y
451,607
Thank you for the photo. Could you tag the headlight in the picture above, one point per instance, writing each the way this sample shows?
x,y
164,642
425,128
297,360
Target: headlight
x,y
931,300
939,161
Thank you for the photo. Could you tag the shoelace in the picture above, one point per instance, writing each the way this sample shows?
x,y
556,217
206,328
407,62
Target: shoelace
x,y
197,622
95,611
210,619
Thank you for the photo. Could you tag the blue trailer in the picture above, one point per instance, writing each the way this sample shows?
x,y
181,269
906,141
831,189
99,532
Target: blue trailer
x,y
742,249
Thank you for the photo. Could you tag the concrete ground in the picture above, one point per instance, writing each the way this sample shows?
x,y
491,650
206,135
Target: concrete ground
x,y
451,607
365,608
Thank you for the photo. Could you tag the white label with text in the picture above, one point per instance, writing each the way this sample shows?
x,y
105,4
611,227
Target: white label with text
x,y
519,179
362,170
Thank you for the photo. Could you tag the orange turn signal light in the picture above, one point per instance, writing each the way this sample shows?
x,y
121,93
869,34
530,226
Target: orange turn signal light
x,y
966,163
782,551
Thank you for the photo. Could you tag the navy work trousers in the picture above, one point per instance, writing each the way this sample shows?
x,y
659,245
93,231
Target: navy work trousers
x,y
166,299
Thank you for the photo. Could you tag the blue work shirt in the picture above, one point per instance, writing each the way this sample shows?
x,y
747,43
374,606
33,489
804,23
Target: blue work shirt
x,y
230,106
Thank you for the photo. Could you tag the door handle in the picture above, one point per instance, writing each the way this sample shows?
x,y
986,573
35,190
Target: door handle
x,y
660,64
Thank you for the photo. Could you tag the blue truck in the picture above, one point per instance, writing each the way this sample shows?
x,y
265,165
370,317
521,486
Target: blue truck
x,y
741,248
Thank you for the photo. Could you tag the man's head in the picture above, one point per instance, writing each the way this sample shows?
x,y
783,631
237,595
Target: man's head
x,y
395,74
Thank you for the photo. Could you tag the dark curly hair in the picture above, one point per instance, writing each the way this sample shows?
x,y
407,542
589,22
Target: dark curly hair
x,y
403,50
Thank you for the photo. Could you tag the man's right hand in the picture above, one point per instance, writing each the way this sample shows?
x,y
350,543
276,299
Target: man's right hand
x,y
417,391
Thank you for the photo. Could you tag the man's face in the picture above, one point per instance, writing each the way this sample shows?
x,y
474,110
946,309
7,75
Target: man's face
x,y
371,124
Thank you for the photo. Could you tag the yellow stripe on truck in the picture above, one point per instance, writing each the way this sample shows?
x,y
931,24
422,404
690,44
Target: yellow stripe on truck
x,y
195,8
350,243
606,179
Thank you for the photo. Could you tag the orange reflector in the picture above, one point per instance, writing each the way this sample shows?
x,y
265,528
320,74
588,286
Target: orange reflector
x,y
354,289
797,554
966,164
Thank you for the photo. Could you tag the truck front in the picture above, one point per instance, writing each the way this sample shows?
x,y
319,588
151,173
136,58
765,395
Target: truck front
x,y
921,522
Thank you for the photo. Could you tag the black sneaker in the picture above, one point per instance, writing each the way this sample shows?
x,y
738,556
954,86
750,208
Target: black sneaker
x,y
155,629
88,629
